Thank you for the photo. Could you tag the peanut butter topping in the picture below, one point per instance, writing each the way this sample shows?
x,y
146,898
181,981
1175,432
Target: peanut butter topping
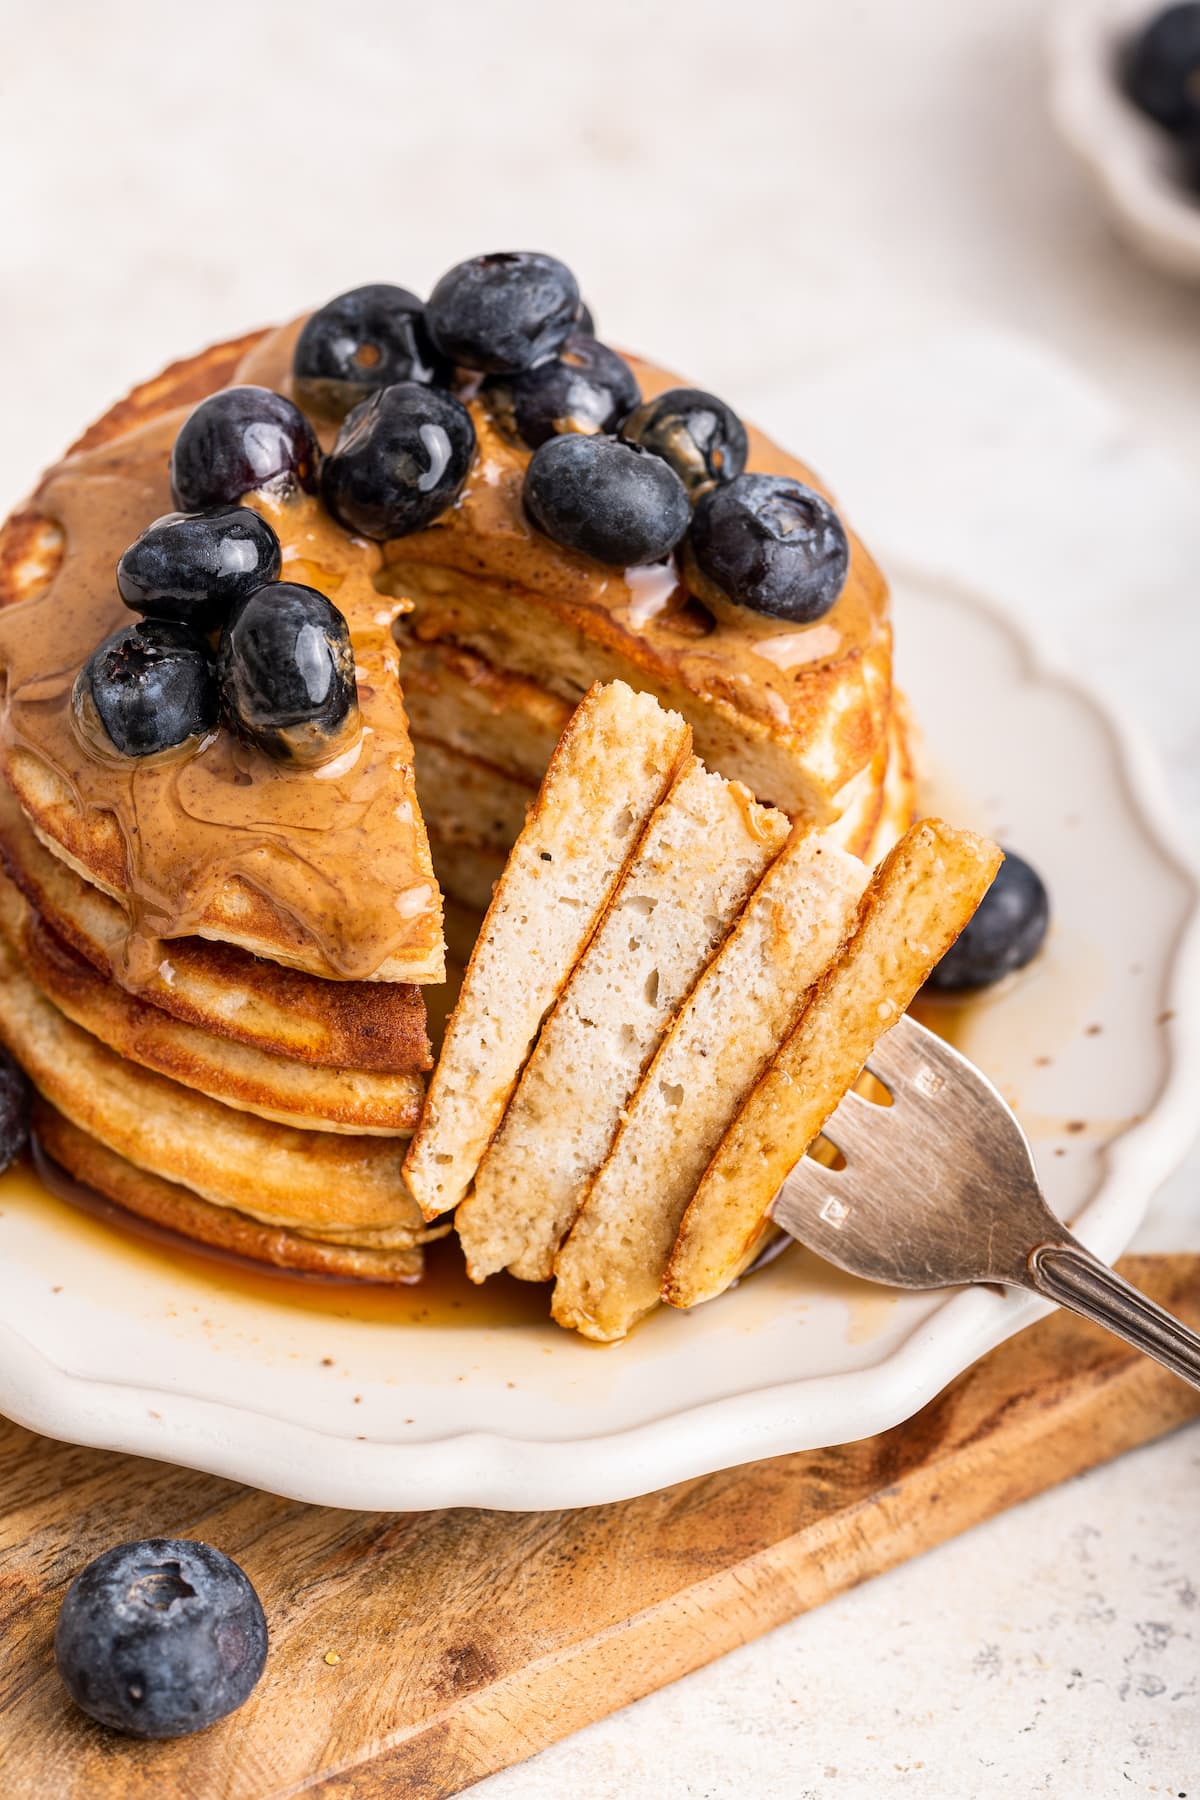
x,y
758,664
338,853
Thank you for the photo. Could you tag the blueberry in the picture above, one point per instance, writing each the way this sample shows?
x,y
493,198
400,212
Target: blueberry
x,y
400,459
586,388
14,1111
240,439
191,567
368,338
147,688
286,669
503,313
585,319
703,439
771,544
1007,931
609,500
160,1638
1161,67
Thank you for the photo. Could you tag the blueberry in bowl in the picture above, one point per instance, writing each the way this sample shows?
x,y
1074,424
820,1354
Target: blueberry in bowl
x,y
503,312
191,567
608,500
146,690
370,337
237,440
285,665
1160,67
160,1638
584,387
703,439
400,459
1006,933
771,544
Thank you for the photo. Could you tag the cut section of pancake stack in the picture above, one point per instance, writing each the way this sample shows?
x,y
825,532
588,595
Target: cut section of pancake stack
x,y
618,1100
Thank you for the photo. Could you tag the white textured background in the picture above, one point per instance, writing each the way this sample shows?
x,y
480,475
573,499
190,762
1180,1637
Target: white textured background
x,y
749,192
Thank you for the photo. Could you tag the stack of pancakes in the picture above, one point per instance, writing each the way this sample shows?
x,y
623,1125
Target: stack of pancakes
x,y
216,979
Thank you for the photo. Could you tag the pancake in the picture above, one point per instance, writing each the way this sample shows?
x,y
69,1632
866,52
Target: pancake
x,y
472,800
354,1025
917,903
273,1087
329,873
456,698
793,712
314,1181
165,1204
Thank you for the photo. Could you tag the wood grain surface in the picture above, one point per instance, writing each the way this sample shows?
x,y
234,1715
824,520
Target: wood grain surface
x,y
412,1654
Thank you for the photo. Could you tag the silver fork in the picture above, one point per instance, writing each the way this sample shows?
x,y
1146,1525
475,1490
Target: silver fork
x,y
939,1189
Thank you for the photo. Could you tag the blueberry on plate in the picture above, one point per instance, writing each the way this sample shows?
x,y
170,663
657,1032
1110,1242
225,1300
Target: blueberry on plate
x,y
191,567
147,688
238,440
400,459
606,499
160,1638
504,312
703,439
1007,931
368,338
1161,67
771,544
14,1111
286,668
586,388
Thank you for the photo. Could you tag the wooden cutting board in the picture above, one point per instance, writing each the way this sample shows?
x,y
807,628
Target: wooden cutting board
x,y
412,1654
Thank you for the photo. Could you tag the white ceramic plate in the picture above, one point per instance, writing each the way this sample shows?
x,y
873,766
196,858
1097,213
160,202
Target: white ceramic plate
x,y
1132,162
335,1398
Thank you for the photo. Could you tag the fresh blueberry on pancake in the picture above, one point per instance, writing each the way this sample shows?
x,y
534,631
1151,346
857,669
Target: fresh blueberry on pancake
x,y
585,388
585,320
1162,67
237,440
160,1638
611,501
773,545
1007,931
146,689
368,338
703,439
14,1111
504,312
400,459
286,668
191,567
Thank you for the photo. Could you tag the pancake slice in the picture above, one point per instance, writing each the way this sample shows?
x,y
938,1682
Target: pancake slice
x,y
223,990
917,903
176,1209
702,853
306,1180
270,1086
458,699
471,800
610,1270
615,762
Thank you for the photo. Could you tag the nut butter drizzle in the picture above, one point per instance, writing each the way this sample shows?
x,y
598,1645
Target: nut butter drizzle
x,y
339,852
756,663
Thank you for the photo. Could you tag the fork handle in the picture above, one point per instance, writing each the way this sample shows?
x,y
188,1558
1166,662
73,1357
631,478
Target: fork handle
x,y
1072,1276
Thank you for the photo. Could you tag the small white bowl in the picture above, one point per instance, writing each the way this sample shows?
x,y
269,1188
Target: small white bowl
x,y
1132,161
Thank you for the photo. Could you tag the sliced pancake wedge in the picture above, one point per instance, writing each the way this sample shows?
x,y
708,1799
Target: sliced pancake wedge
x,y
917,903
616,760
175,1209
369,1025
273,1087
702,853
315,1181
609,1271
